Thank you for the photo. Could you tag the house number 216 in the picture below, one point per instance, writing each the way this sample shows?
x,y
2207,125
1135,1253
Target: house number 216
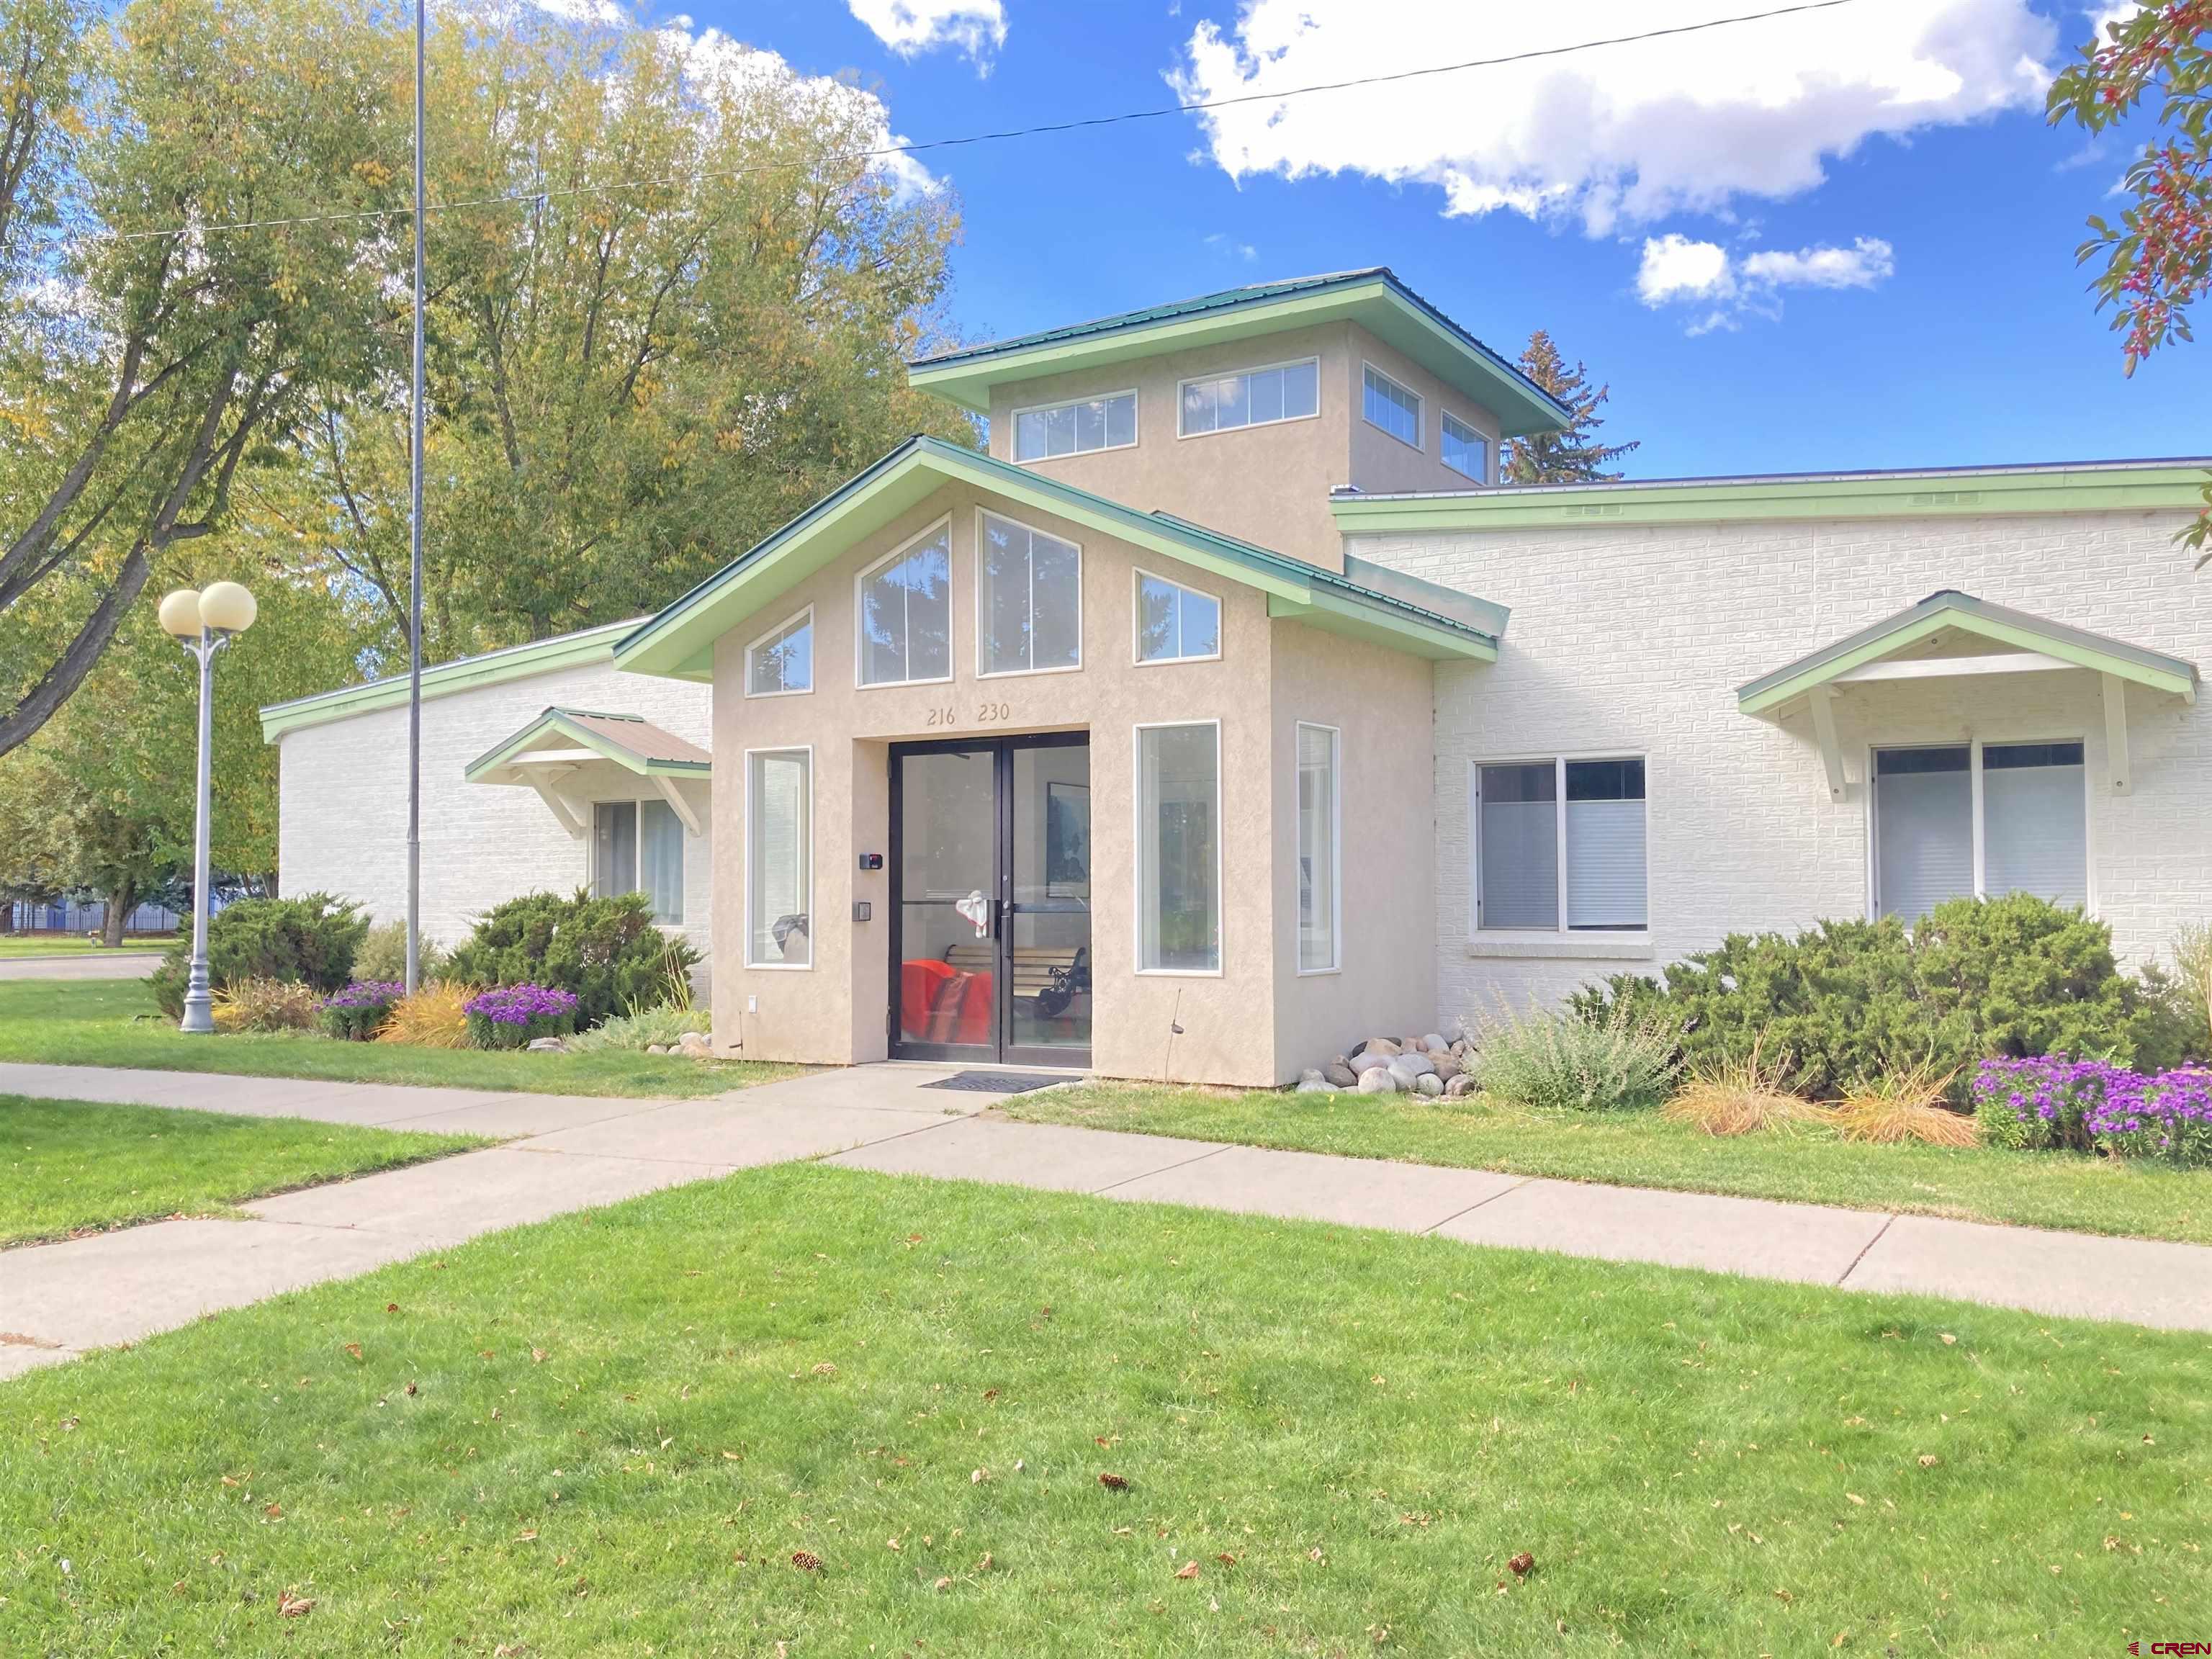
x,y
986,713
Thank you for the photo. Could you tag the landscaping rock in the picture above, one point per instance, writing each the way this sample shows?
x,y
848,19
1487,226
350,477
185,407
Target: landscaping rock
x,y
1377,1080
1368,1060
547,1046
1339,1072
656,1047
1386,1046
695,1043
1434,1044
1429,1084
1407,1069
1311,1082
1447,1064
1461,1084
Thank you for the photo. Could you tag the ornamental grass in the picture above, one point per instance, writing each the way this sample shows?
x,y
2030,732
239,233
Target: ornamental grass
x,y
1742,1096
1905,1106
266,1004
435,1017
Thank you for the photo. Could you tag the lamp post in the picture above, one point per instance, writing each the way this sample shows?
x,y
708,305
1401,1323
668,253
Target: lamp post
x,y
203,623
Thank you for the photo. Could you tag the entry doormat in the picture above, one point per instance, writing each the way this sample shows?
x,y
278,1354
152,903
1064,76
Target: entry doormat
x,y
996,1083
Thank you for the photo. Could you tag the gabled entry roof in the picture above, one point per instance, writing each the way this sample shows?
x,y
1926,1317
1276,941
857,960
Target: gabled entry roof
x,y
633,744
2045,644
1373,298
1402,612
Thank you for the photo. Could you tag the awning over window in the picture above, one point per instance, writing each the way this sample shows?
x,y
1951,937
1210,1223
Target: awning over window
x,y
556,754
1954,635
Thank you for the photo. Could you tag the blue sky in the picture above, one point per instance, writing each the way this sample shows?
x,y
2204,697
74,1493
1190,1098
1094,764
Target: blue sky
x,y
1840,240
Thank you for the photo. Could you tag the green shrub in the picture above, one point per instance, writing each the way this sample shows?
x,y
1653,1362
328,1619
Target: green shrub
x,y
383,955
642,1028
309,940
1624,1060
1847,1001
604,951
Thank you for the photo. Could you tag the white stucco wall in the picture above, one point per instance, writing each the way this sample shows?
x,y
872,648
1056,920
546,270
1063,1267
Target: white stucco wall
x,y
1633,640
341,801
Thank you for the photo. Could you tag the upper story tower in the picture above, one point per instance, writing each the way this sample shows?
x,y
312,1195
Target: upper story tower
x,y
1241,411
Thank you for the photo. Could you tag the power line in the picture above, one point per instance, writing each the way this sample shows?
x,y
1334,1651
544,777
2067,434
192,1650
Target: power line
x,y
1045,129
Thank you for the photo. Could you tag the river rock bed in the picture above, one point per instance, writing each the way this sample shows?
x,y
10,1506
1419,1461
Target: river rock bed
x,y
1429,1065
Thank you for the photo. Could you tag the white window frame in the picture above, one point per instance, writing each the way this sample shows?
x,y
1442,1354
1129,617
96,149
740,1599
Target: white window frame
x,y
1335,849
1419,441
1137,657
1236,374
637,873
981,638
1137,851
860,629
1489,446
1974,745
812,941
806,617
1014,425
1619,938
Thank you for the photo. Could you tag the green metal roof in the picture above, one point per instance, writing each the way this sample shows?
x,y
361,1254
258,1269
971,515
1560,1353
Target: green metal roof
x,y
679,642
1373,298
512,662
628,740
2159,485
1950,609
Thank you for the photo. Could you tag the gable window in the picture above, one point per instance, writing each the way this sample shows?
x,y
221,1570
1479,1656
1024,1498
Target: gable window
x,y
1317,849
1076,428
1961,820
1029,601
1465,451
781,661
1179,849
1559,845
637,846
905,635
1176,623
1256,396
1392,407
779,857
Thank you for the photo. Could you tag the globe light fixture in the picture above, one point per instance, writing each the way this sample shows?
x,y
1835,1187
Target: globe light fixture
x,y
203,623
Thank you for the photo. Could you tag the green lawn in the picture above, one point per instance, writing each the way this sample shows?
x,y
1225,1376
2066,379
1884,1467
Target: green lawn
x,y
610,1435
69,1166
69,944
115,1023
1641,1149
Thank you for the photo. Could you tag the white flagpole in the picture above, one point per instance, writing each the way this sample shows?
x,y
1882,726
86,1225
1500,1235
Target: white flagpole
x,y
414,564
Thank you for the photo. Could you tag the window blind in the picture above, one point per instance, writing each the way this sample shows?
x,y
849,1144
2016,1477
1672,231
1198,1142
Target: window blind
x,y
2034,821
1924,829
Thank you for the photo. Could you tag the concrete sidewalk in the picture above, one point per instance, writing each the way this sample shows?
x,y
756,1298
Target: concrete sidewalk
x,y
82,964
575,1152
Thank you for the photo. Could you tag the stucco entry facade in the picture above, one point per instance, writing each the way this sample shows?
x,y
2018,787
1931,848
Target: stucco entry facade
x,y
1228,709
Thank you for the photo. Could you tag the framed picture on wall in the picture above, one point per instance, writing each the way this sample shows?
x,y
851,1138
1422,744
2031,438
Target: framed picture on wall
x,y
1067,840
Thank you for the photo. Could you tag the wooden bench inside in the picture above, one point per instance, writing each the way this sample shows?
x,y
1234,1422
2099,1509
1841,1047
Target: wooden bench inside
x,y
1033,963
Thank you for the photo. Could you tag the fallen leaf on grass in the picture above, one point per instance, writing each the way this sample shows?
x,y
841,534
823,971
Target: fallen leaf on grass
x,y
1188,1570
1226,1559
293,1605
353,1348
1112,1483
392,1307
1855,1497
1522,1564
942,1584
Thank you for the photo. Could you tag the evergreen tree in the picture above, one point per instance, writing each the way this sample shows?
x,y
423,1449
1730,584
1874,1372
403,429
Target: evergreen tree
x,y
1572,455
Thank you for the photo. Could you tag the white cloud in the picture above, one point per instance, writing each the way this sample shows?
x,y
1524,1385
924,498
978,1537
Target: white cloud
x,y
1677,270
1622,133
908,26
1222,242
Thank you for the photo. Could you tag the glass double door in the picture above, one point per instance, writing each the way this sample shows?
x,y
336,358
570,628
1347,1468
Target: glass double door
x,y
991,900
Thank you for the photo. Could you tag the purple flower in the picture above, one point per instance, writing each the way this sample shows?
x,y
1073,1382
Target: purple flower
x,y
519,1004
366,993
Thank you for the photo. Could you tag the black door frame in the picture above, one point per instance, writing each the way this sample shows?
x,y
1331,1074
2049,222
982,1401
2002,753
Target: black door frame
x,y
1000,1050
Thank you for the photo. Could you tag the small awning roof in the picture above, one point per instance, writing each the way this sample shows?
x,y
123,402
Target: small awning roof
x,y
574,737
1935,639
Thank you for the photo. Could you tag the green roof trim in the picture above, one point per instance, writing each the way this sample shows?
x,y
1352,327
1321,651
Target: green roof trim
x,y
1963,612
576,725
1926,492
679,642
1373,298
512,662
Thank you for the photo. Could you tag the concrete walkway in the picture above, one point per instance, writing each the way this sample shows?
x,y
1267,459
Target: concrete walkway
x,y
575,1152
82,964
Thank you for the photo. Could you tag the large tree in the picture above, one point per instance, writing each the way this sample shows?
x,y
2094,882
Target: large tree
x,y
696,330
1572,455
2155,264
146,349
